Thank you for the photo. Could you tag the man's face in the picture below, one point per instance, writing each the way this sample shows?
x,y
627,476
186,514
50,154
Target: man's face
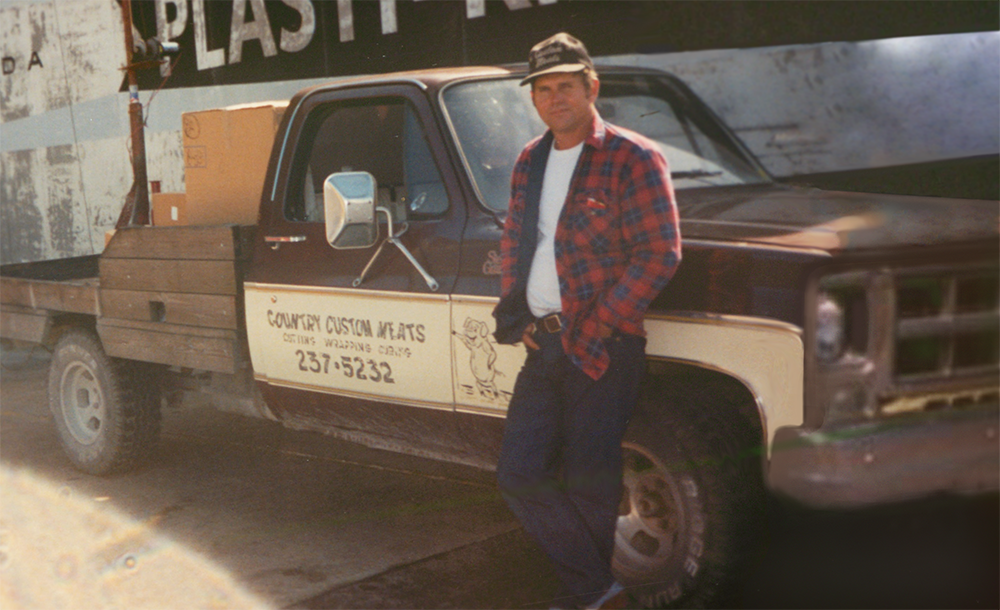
x,y
563,101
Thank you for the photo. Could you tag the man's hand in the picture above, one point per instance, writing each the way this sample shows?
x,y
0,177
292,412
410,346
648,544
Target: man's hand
x,y
528,337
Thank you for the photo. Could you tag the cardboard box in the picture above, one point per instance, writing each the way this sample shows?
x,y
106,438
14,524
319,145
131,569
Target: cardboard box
x,y
226,151
107,237
169,209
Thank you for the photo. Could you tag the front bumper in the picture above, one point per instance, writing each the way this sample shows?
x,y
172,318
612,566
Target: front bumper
x,y
889,460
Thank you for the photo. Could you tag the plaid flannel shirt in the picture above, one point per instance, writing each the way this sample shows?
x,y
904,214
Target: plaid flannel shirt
x,y
617,244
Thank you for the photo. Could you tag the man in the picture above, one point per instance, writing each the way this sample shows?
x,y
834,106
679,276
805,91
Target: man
x,y
591,237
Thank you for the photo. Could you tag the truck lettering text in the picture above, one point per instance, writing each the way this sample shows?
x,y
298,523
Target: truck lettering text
x,y
300,339
352,346
348,326
364,369
398,352
293,321
401,331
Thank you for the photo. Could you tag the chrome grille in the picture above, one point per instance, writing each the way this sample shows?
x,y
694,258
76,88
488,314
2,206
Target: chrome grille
x,y
914,339
947,324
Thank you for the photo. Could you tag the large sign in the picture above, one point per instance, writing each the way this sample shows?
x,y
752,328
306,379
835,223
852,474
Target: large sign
x,y
245,41
248,41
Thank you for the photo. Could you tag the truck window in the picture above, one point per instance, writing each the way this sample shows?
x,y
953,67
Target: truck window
x,y
383,137
492,120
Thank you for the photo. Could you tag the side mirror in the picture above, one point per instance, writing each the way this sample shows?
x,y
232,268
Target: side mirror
x,y
349,206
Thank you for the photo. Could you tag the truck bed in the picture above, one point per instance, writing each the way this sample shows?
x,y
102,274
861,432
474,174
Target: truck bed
x,y
30,291
169,295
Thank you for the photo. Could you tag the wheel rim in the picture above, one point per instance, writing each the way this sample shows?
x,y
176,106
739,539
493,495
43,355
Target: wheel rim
x,y
651,518
82,401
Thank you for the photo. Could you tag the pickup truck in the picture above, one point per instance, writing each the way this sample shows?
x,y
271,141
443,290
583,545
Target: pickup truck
x,y
838,349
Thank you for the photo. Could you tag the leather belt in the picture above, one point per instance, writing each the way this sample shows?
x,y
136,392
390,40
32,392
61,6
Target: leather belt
x,y
551,324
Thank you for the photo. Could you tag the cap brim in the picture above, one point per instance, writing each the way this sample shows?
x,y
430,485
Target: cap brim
x,y
561,68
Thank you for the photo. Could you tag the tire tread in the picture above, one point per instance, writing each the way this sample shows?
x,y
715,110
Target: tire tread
x,y
704,429
132,392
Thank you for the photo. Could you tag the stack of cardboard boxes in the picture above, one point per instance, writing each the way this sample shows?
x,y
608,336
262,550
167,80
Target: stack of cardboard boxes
x,y
226,151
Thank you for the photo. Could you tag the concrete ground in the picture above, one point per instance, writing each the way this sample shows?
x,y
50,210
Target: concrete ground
x,y
240,513
284,515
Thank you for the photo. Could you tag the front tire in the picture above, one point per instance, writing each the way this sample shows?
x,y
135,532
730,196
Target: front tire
x,y
694,497
106,410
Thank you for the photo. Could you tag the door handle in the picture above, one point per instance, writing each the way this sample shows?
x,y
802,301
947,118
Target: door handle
x,y
277,240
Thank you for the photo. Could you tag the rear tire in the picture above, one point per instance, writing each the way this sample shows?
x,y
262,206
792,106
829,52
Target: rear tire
x,y
106,410
694,497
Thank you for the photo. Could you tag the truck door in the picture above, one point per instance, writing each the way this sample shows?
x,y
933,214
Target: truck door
x,y
491,121
370,357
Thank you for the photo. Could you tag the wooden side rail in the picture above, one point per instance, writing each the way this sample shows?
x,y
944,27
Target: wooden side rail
x,y
173,295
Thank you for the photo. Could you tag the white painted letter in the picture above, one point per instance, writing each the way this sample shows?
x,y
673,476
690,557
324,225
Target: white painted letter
x,y
477,8
170,30
206,59
345,15
299,39
241,31
389,25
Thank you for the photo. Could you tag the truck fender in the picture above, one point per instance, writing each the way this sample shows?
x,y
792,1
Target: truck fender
x,y
765,355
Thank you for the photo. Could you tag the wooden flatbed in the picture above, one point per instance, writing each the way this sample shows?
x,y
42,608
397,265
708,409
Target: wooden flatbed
x,y
167,295
31,292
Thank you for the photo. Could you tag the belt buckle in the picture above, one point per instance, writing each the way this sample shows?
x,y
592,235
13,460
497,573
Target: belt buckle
x,y
551,323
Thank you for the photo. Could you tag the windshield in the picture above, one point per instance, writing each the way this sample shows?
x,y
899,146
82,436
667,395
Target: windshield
x,y
494,119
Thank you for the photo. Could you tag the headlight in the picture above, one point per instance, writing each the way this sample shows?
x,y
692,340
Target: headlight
x,y
841,327
829,329
840,347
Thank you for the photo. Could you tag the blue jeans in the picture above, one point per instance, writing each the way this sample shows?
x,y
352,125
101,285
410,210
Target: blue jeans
x,y
560,467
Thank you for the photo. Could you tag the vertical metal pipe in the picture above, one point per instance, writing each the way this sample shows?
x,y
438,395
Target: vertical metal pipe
x,y
136,209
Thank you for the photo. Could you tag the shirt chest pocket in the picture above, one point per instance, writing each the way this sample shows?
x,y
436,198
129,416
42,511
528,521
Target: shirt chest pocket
x,y
595,221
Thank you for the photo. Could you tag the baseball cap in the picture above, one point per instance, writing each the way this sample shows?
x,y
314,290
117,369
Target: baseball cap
x,y
559,53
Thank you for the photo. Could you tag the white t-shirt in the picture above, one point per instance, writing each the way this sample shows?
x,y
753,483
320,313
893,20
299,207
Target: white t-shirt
x,y
543,282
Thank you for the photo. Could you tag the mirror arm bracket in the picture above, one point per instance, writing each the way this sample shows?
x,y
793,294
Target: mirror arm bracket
x,y
393,238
